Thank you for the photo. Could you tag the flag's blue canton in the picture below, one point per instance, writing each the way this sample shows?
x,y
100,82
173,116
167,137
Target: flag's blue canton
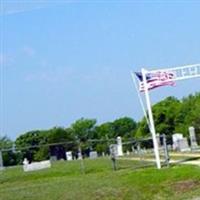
x,y
139,75
149,76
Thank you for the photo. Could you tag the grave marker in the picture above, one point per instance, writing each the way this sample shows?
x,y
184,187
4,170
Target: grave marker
x,y
193,140
93,155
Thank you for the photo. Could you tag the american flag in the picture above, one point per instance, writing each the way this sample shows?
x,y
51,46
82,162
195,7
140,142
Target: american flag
x,y
156,79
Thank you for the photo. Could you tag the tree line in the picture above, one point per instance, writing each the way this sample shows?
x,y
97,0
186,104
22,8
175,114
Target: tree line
x,y
171,115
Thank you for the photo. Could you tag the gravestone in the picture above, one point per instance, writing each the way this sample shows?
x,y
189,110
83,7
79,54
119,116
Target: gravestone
x,y
158,139
175,138
53,158
25,161
180,143
80,156
119,146
113,150
169,147
193,140
36,165
183,145
138,148
69,155
113,154
93,154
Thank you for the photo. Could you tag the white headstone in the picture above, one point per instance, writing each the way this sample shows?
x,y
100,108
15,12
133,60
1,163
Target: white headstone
x,y
69,155
80,156
36,165
158,138
193,140
93,154
25,161
119,146
138,148
175,138
183,145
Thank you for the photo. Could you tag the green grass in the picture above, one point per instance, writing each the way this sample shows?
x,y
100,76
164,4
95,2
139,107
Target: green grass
x,y
67,181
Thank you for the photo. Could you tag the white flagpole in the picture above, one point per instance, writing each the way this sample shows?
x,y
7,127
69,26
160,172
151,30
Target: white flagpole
x,y
151,121
140,99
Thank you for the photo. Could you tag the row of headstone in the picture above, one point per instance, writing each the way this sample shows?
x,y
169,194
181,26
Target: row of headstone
x,y
92,155
180,143
116,149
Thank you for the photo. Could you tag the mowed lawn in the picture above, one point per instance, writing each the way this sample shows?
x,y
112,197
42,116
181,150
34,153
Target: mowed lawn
x,y
68,180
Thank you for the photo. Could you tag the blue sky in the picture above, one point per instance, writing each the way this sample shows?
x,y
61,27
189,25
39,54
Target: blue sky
x,y
64,60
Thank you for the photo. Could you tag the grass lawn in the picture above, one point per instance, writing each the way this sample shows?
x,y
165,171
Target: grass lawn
x,y
64,180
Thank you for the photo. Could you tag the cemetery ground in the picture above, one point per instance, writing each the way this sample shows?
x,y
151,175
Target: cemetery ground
x,y
95,179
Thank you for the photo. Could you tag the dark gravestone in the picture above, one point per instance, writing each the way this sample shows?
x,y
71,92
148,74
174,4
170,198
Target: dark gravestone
x,y
58,151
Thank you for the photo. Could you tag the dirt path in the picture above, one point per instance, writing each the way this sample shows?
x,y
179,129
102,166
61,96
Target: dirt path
x,y
185,161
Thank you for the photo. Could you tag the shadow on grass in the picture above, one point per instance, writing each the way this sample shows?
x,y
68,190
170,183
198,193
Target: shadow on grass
x,y
135,165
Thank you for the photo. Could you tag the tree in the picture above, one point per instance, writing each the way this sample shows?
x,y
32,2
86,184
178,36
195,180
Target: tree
x,y
59,135
36,143
174,116
84,129
189,114
165,113
104,131
9,156
124,127
5,143
30,144
62,140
